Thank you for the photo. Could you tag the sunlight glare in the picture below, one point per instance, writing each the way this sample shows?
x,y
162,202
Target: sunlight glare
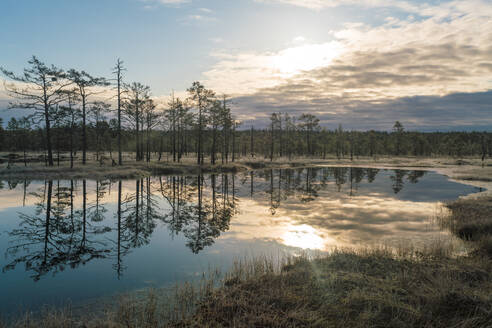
x,y
294,60
303,236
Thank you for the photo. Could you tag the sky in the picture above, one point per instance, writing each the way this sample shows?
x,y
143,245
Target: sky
x,y
363,64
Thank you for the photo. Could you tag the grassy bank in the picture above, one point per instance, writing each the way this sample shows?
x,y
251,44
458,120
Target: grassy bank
x,y
127,171
471,220
356,289
348,288
471,169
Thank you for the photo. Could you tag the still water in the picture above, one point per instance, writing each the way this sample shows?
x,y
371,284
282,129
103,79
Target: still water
x,y
82,239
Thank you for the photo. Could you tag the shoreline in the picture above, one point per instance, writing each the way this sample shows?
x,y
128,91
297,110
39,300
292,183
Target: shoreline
x,y
468,171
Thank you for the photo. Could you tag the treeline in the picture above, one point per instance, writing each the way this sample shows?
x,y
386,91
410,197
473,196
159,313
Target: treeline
x,y
68,115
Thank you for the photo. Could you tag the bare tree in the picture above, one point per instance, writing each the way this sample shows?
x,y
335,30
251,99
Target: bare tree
x,y
171,114
85,84
398,132
226,120
309,123
98,112
201,98
40,89
138,95
118,69
70,114
151,121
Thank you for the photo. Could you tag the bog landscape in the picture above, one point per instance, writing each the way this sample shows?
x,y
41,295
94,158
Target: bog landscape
x,y
250,163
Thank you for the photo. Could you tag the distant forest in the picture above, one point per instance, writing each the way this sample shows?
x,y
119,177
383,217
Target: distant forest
x,y
67,116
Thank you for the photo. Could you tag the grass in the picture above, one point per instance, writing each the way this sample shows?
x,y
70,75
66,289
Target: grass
x,y
470,169
376,287
471,220
127,171
477,174
355,289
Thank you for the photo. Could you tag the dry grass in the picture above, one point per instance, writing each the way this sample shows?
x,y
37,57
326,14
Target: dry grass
x,y
368,288
126,171
377,287
476,174
467,169
471,220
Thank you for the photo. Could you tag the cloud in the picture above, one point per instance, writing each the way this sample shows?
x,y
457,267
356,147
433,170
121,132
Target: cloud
x,y
166,2
201,15
154,4
173,1
200,18
457,111
422,70
246,72
206,10
323,4
217,40
197,19
298,39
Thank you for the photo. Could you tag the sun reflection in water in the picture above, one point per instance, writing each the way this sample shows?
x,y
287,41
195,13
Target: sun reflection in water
x,y
303,236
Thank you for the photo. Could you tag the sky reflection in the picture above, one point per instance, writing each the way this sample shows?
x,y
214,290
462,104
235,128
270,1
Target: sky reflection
x,y
83,239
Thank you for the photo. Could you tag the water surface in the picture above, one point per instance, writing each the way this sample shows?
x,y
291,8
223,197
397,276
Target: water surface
x,y
84,239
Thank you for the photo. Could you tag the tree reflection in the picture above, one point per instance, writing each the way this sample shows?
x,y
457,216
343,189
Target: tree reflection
x,y
371,174
200,214
97,210
306,183
397,180
414,176
139,213
122,247
55,235
72,225
178,194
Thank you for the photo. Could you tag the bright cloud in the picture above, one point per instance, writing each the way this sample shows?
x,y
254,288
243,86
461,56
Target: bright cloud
x,y
323,4
167,2
444,53
401,58
251,71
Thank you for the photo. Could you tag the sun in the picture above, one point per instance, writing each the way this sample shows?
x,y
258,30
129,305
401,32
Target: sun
x,y
291,61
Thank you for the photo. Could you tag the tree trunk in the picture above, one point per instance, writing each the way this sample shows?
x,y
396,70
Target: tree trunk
x,y
234,142
84,132
71,147
48,139
271,142
137,126
214,137
120,157
199,150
